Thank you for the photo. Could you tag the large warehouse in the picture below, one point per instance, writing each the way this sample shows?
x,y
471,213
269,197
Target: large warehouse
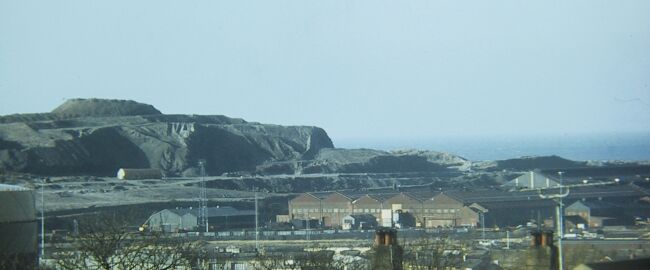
x,y
429,209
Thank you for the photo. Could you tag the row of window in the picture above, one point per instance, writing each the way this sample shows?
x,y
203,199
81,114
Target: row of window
x,y
301,210
366,210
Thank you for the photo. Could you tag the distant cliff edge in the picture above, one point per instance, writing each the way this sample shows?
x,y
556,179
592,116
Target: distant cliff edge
x,y
99,136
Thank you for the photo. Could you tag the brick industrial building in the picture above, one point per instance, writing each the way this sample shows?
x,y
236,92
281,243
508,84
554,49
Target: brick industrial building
x,y
432,208
428,209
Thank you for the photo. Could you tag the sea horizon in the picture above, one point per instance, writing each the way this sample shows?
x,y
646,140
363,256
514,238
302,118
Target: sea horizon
x,y
585,147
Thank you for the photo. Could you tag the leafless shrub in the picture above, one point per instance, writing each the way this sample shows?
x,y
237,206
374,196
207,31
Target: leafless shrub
x,y
433,253
109,245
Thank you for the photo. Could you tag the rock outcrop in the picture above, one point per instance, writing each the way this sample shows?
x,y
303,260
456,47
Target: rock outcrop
x,y
330,160
103,107
98,137
532,163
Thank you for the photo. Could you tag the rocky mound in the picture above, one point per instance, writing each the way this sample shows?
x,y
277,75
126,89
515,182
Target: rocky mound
x,y
98,137
330,160
103,107
532,163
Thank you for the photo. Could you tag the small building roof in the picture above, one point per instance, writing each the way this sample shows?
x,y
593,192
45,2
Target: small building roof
x,y
226,211
362,217
594,205
310,196
533,180
407,195
578,205
335,195
478,207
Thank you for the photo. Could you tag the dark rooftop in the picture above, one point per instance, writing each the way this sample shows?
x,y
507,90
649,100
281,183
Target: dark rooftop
x,y
226,211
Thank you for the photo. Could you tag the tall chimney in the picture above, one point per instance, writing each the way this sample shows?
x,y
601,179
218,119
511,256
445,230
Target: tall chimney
x,y
543,253
386,252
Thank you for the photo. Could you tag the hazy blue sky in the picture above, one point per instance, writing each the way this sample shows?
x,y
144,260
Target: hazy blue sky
x,y
359,69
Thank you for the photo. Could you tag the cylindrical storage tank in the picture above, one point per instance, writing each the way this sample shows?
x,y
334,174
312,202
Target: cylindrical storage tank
x,y
18,228
126,174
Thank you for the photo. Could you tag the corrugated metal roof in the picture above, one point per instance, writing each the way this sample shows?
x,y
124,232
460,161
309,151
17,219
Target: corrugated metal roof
x,y
600,204
536,178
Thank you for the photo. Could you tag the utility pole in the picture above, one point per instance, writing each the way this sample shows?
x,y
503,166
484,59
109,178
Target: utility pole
x,y
307,232
257,233
561,222
43,221
483,224
203,198
558,217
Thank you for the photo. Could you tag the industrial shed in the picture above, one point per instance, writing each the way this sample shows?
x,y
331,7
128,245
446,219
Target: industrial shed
x,y
306,206
186,219
361,221
533,180
132,174
456,207
335,207
425,209
443,210
597,213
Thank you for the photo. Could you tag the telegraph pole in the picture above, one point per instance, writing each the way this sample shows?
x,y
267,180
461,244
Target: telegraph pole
x,y
203,198
559,218
43,221
307,232
257,233
483,224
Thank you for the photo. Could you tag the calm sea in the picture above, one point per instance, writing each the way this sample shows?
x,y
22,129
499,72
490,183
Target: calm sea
x,y
629,147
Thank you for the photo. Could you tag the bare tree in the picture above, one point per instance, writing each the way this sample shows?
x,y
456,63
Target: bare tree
x,y
276,261
433,254
109,245
318,260
315,260
17,261
577,254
